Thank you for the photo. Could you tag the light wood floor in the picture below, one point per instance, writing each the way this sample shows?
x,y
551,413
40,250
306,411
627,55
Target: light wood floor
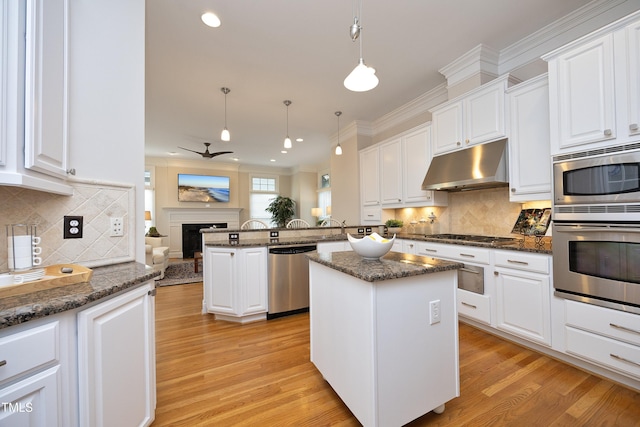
x,y
214,373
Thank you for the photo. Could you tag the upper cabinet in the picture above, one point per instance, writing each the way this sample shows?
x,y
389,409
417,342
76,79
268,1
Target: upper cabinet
x,y
474,118
529,153
594,90
33,105
391,174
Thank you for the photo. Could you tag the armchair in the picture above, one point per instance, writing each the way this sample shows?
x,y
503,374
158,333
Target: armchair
x,y
156,255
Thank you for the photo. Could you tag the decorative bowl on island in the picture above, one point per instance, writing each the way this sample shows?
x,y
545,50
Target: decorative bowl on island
x,y
372,246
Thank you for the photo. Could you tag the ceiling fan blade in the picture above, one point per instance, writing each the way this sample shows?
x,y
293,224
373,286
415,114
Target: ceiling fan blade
x,y
220,153
193,151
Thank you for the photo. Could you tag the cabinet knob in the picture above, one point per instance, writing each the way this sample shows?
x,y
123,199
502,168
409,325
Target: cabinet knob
x,y
513,190
633,126
467,141
399,200
495,273
458,143
607,132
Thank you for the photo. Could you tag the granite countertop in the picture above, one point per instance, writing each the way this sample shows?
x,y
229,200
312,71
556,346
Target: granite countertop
x,y
105,281
522,245
393,265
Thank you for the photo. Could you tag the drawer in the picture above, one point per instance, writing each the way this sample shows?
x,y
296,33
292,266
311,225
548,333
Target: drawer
x,y
604,351
372,213
474,306
604,321
455,252
522,261
28,350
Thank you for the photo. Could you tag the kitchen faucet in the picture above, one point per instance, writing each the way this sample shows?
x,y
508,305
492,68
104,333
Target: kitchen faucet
x,y
342,226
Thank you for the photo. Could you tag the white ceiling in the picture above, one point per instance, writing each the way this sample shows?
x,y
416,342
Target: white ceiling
x,y
269,51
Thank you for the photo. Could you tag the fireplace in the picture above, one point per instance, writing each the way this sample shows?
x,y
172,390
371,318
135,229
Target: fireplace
x,y
192,239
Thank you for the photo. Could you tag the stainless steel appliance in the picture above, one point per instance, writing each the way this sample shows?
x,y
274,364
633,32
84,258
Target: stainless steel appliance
x,y
288,279
480,166
471,278
602,187
598,263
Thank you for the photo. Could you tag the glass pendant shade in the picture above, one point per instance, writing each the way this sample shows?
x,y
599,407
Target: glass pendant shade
x,y
362,78
287,142
338,150
225,135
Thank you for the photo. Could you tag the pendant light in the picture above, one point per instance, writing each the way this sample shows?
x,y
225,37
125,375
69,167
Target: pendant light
x,y
287,140
225,135
363,77
338,147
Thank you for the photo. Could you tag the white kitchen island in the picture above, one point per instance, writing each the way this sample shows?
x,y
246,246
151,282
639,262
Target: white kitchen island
x,y
384,333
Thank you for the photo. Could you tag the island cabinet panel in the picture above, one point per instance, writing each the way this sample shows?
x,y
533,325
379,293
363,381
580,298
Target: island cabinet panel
x,y
375,345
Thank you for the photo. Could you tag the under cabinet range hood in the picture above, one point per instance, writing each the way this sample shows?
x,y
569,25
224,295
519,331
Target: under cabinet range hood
x,y
480,166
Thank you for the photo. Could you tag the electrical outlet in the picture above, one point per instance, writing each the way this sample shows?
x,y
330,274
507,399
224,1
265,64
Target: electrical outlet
x,y
434,312
72,227
117,227
274,233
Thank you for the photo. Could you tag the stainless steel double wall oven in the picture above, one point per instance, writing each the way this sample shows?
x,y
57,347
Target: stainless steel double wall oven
x,y
596,227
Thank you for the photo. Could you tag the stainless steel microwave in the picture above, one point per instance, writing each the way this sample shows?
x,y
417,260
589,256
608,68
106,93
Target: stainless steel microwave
x,y
605,179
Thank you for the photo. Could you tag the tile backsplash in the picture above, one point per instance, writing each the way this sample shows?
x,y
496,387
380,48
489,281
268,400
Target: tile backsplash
x,y
96,203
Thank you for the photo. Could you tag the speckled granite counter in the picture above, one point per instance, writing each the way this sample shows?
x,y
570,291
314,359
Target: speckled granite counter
x,y
527,245
105,281
392,266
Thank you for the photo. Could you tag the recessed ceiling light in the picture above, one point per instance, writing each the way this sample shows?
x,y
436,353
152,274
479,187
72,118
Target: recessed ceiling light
x,y
173,153
211,19
272,160
299,139
235,159
284,151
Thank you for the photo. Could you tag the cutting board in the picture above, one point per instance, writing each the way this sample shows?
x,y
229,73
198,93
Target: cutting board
x,y
53,278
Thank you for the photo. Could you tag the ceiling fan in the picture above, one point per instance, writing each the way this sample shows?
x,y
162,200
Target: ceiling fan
x,y
207,154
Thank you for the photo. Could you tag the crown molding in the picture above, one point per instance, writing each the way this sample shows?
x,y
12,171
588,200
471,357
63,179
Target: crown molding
x,y
482,59
582,21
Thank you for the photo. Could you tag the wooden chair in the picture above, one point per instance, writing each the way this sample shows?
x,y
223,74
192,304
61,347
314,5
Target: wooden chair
x,y
253,224
298,223
330,222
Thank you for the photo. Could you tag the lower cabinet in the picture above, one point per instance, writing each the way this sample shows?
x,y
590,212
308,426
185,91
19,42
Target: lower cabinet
x,y
523,295
326,247
235,283
474,306
607,337
88,367
116,360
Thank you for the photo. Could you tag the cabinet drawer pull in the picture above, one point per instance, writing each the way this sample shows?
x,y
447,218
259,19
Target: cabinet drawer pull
x,y
613,325
468,305
607,132
468,270
633,126
622,359
3,362
430,250
369,214
468,255
513,261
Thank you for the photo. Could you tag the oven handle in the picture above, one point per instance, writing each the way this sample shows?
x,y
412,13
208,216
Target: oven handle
x,y
596,228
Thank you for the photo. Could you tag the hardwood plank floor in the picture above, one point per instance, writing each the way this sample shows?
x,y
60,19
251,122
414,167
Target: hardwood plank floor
x,y
214,373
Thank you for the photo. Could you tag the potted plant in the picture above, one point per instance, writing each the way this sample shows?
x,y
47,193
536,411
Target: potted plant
x,y
153,232
394,225
282,210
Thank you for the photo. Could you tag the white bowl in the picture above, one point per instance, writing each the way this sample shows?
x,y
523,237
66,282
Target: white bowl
x,y
372,246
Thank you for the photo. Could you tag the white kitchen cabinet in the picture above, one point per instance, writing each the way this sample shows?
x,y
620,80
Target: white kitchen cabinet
x,y
529,149
474,306
408,247
31,374
607,337
391,172
370,176
116,360
402,164
474,118
33,105
235,283
594,96
327,247
523,292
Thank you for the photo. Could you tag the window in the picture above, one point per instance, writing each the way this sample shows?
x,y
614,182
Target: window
x,y
324,194
263,190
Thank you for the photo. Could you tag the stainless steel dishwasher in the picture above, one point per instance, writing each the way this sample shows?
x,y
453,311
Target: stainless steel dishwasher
x,y
288,279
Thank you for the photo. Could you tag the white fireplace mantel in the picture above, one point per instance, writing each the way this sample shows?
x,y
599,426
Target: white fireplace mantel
x,y
179,216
